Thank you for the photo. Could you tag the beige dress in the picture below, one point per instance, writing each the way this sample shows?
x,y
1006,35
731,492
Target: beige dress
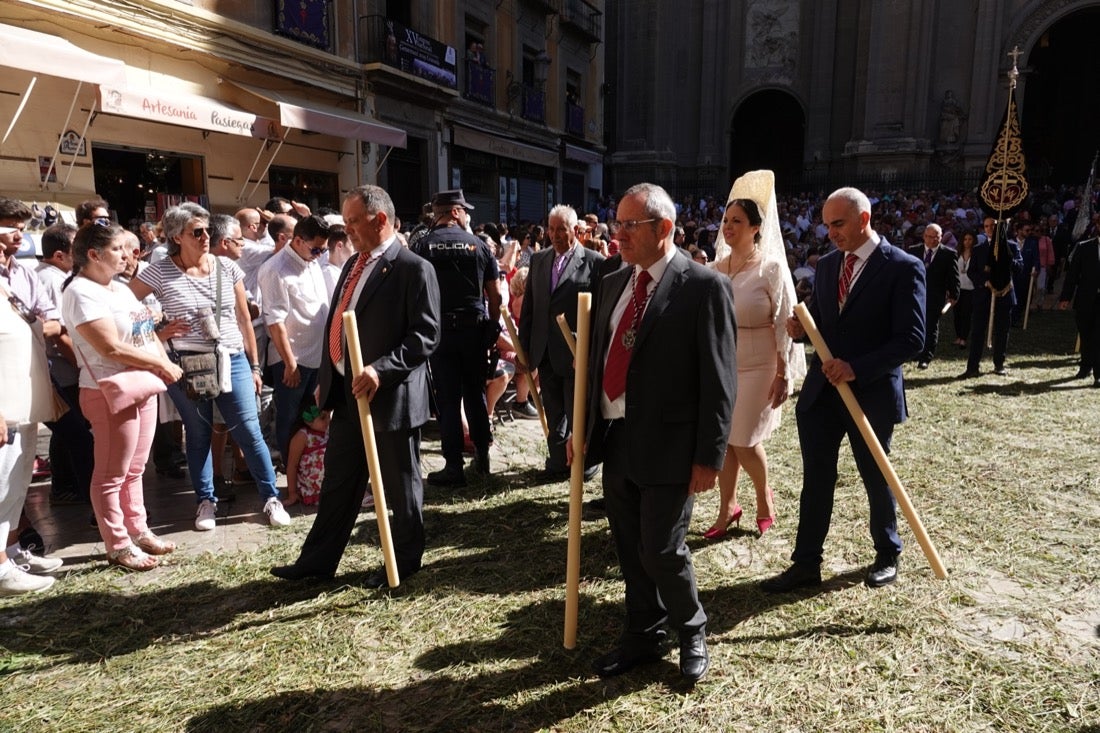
x,y
761,309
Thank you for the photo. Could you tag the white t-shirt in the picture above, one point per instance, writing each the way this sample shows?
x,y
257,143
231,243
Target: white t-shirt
x,y
186,297
85,301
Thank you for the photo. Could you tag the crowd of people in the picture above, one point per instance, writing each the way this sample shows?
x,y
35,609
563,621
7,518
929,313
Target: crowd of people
x,y
235,324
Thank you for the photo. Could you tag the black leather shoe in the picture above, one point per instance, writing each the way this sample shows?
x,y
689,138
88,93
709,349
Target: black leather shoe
x,y
1083,372
298,572
447,477
799,575
694,658
379,579
883,572
622,659
1000,371
969,374
922,365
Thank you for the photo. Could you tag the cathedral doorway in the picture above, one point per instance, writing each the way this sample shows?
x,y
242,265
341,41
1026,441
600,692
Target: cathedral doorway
x,y
1061,105
769,131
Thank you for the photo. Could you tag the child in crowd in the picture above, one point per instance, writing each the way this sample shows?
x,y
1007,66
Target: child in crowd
x,y
305,463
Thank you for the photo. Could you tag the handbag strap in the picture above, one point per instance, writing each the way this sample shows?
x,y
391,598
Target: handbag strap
x,y
85,360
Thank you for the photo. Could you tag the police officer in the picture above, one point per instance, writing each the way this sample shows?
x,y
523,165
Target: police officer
x,y
468,276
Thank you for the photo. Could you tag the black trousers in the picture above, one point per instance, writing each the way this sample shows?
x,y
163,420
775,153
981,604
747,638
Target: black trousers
x,y
979,325
964,308
345,482
1088,327
557,400
649,525
459,369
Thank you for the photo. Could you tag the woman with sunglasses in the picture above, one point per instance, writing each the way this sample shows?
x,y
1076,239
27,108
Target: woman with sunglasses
x,y
113,332
208,293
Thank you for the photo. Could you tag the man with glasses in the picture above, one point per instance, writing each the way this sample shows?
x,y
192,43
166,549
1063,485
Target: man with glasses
x,y
295,300
22,406
468,275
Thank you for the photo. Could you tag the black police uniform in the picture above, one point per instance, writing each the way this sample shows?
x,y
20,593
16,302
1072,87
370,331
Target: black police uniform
x,y
464,265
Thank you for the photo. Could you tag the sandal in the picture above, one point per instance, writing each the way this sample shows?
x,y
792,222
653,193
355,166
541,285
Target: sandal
x,y
153,545
132,558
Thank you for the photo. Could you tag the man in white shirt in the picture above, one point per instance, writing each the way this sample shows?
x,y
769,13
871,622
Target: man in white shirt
x,y
295,300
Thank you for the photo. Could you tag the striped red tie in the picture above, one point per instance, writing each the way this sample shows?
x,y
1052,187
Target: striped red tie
x,y
618,355
846,278
336,328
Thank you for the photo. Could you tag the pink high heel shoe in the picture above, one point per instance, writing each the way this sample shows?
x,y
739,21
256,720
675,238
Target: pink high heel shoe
x,y
766,523
718,531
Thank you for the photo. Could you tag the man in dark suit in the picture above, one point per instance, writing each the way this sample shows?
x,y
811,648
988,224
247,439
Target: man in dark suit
x,y
1082,288
661,385
555,278
942,281
395,297
978,271
869,306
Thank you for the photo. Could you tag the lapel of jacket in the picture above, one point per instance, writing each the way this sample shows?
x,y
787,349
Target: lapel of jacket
x,y
572,265
874,264
670,281
377,275
611,290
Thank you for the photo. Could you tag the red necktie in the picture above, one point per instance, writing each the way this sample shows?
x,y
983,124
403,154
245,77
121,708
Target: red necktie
x,y
846,278
336,328
618,356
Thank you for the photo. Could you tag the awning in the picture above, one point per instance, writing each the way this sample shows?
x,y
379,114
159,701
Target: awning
x,y
41,53
313,117
503,146
187,110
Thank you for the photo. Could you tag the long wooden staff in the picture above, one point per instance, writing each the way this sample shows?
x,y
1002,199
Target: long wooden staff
x,y
522,359
567,334
366,423
576,475
873,444
1030,290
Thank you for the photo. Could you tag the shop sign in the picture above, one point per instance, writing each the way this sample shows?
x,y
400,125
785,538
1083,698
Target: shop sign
x,y
73,144
186,110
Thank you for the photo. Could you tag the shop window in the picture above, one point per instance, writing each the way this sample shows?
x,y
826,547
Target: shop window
x,y
141,184
315,189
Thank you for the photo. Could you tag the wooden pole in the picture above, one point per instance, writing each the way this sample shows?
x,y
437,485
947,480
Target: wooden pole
x,y
875,447
355,361
576,475
567,334
1030,290
992,313
522,359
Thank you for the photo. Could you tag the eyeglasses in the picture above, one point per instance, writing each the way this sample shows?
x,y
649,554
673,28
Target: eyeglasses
x,y
101,221
631,224
200,232
317,251
10,230
21,308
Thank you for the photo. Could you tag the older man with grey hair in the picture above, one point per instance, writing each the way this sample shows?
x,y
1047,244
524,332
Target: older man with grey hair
x,y
942,281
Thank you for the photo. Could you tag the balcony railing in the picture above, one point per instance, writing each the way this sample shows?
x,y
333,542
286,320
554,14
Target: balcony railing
x,y
534,104
480,83
583,17
574,119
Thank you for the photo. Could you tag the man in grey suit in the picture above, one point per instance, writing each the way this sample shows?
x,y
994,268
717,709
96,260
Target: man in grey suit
x,y
395,297
555,278
661,387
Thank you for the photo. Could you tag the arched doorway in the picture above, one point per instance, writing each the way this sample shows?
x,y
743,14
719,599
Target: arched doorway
x,y
1061,109
769,131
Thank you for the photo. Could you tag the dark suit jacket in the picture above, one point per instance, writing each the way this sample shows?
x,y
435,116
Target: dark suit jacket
x,y
977,274
941,278
1083,276
881,327
682,377
398,320
539,333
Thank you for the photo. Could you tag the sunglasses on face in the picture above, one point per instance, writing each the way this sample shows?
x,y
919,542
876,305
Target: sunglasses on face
x,y
317,251
200,232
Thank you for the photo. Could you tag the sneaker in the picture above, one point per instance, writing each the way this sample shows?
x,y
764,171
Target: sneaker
x,y
525,410
204,517
16,581
34,564
30,539
276,512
